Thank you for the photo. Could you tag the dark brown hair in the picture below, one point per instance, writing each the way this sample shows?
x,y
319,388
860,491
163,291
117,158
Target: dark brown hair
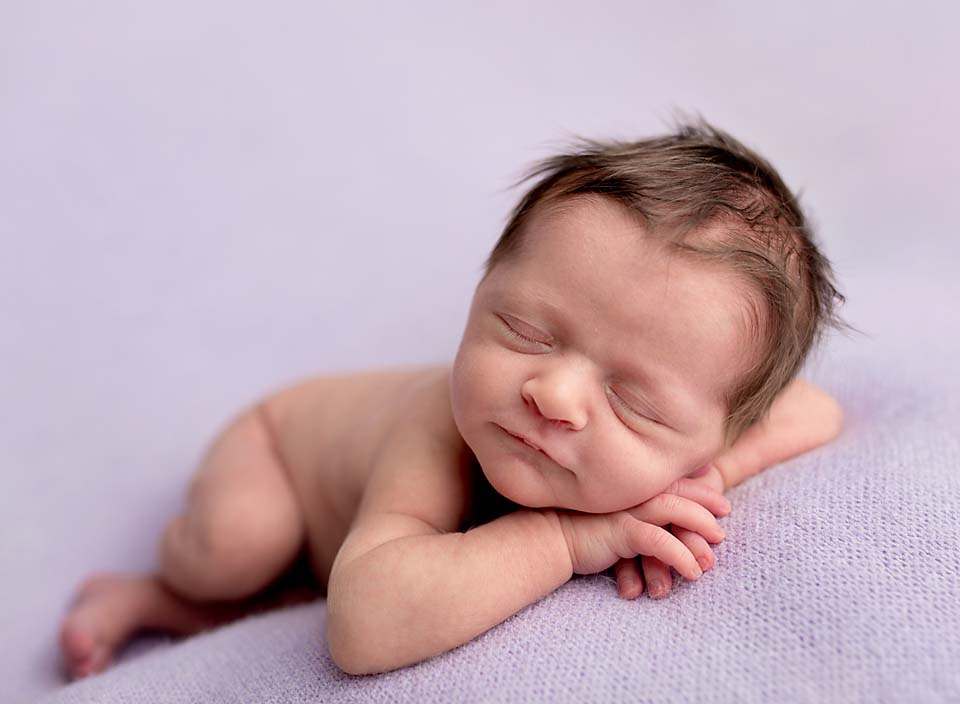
x,y
710,199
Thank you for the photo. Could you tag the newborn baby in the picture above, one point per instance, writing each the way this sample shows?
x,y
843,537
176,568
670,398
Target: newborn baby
x,y
631,352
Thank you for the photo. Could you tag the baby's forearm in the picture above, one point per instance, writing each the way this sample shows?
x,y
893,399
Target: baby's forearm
x,y
416,597
801,418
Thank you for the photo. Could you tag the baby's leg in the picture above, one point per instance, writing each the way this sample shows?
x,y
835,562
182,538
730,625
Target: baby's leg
x,y
241,530
243,524
109,608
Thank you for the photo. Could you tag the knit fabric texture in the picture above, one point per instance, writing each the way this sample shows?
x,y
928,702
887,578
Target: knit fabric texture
x,y
838,580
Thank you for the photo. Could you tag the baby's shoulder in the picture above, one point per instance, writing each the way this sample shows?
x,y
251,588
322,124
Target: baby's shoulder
x,y
424,449
421,466
429,407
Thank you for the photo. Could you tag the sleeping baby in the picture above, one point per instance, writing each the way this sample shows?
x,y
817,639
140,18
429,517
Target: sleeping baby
x,y
631,351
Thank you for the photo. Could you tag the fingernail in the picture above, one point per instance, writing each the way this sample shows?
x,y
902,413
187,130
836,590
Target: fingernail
x,y
656,589
704,562
726,506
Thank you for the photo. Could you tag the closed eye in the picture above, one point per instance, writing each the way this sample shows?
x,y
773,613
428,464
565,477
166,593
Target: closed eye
x,y
512,332
522,337
619,401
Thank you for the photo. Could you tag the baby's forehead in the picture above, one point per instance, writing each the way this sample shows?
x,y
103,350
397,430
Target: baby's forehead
x,y
593,217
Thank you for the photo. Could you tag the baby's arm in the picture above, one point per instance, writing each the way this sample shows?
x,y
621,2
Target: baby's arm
x,y
801,418
407,585
416,596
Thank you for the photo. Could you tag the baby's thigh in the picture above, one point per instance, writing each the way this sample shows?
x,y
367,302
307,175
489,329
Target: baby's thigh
x,y
241,501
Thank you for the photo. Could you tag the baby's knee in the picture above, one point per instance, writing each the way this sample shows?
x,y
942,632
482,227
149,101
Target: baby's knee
x,y
240,530
237,540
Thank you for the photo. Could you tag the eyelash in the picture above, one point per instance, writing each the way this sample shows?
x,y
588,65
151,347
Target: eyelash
x,y
631,410
620,401
523,337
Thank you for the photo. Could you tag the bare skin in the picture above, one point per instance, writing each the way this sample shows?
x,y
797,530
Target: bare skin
x,y
281,485
268,508
109,608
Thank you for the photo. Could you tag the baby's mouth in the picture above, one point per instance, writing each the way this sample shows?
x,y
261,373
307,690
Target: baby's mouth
x,y
530,444
524,440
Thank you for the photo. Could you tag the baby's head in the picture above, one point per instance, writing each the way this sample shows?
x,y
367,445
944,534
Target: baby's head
x,y
643,307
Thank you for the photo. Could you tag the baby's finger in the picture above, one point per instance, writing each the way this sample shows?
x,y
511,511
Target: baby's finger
x,y
710,475
671,508
658,577
629,581
698,491
697,545
647,539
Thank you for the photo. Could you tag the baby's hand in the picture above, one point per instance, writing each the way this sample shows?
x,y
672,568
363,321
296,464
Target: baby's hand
x,y
704,487
709,475
597,541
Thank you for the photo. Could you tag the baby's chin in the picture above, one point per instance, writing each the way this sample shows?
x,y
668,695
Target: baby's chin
x,y
525,485
534,494
521,491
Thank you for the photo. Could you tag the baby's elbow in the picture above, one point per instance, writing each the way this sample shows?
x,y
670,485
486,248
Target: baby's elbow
x,y
356,662
346,653
354,650
346,645
340,652
348,665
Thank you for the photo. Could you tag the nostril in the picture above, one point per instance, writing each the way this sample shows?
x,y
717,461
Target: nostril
x,y
529,402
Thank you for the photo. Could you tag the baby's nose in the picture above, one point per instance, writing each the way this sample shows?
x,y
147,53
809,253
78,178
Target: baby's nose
x,y
561,411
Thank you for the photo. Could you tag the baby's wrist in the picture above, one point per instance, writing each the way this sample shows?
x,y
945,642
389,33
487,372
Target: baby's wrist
x,y
558,531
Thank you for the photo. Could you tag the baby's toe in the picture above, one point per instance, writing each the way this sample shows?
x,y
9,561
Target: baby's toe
x,y
97,662
83,653
76,645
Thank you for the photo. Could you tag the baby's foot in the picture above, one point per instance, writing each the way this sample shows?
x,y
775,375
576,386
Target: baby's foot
x,y
109,608
106,611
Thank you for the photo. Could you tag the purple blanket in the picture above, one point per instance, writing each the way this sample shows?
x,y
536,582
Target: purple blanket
x,y
839,579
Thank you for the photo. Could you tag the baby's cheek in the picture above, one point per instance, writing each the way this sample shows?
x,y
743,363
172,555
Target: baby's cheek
x,y
624,484
476,390
467,378
475,368
652,476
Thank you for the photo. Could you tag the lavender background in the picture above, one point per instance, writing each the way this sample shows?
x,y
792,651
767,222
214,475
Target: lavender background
x,y
202,201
